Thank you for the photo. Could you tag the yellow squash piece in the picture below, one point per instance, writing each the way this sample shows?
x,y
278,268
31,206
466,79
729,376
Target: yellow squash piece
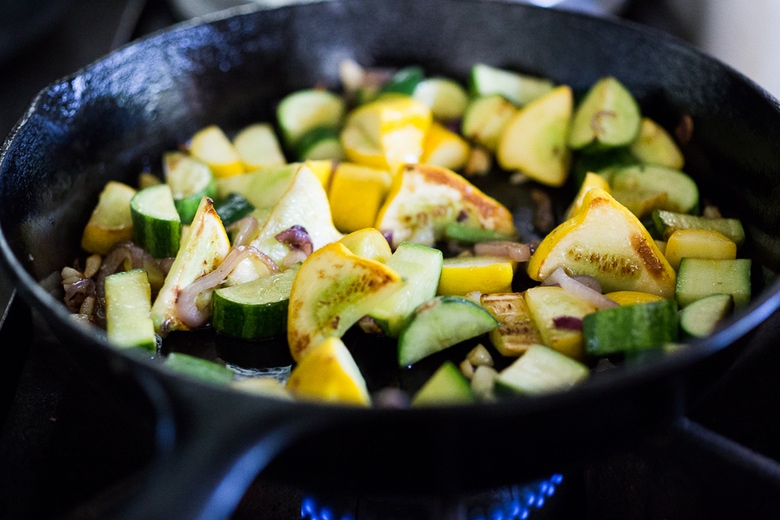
x,y
516,330
547,304
356,193
445,148
486,274
212,146
698,243
368,243
333,289
424,199
632,297
534,140
203,248
592,180
303,204
605,240
323,169
387,133
329,374
111,221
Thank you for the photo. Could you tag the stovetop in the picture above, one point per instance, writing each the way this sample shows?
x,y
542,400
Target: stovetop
x,y
66,449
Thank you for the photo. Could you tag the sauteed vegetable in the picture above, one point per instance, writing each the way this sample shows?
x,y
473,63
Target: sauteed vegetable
x,y
377,227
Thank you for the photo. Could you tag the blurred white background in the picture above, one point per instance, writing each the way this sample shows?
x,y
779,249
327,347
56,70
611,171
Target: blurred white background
x,y
742,33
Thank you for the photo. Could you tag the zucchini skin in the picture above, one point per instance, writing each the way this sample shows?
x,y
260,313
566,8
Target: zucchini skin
x,y
629,329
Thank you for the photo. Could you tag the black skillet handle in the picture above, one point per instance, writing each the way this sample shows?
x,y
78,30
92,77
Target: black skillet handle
x,y
213,444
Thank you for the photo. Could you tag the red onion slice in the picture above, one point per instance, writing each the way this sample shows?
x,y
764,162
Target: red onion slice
x,y
579,289
296,237
512,250
568,322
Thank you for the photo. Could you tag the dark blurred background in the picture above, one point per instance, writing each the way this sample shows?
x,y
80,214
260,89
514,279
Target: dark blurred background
x,y
42,40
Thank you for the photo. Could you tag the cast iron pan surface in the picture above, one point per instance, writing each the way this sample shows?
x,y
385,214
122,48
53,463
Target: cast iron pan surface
x,y
119,115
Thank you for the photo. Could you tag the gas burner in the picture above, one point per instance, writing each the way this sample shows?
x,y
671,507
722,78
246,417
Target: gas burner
x,y
517,502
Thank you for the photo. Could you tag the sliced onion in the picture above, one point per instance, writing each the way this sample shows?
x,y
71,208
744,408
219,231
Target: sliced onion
x,y
187,309
293,257
513,250
579,289
588,280
77,292
296,237
246,230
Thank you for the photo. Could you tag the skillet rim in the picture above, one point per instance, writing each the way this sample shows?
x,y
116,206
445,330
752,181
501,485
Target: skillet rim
x,y
735,329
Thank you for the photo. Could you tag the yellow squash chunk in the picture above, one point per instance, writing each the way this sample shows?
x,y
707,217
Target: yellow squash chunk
x,y
258,147
547,304
445,148
212,146
486,274
111,221
534,140
516,330
368,243
356,193
329,374
203,248
303,204
323,169
699,243
605,240
387,133
333,289
592,180
424,199
632,297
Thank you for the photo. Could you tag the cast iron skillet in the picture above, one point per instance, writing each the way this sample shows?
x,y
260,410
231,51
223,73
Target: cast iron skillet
x,y
108,120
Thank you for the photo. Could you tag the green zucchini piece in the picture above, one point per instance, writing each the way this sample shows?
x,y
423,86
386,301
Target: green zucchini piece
x,y
485,118
447,386
190,180
673,190
701,317
156,222
520,89
465,232
303,110
233,208
404,81
263,188
604,163
323,142
128,306
420,267
440,323
630,328
540,370
253,310
199,368
654,145
700,277
446,97
607,117
667,222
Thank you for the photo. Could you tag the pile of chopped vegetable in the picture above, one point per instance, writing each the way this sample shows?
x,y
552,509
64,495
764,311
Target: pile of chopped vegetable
x,y
358,212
